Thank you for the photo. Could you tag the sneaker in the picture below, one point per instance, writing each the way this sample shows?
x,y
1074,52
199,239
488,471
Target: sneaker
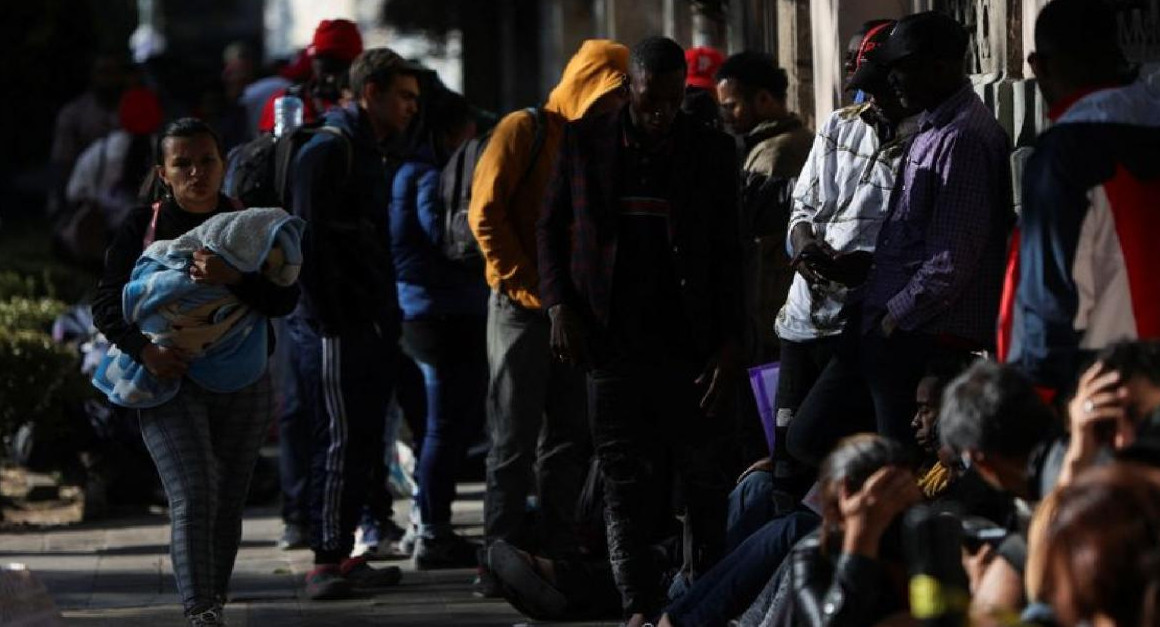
x,y
448,551
326,582
294,536
211,617
406,544
360,574
527,585
485,585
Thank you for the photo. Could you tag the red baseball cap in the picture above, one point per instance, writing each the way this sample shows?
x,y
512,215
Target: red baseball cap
x,y
338,39
140,111
703,63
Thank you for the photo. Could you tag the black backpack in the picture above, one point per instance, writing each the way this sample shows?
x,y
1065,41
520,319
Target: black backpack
x,y
257,171
455,190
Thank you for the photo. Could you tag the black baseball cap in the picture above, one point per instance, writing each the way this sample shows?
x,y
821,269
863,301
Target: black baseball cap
x,y
871,72
930,34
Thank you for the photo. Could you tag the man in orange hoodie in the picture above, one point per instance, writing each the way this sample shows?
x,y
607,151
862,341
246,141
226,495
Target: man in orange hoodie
x,y
530,393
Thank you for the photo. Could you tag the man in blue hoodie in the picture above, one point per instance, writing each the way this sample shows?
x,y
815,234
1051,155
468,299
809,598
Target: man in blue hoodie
x,y
346,327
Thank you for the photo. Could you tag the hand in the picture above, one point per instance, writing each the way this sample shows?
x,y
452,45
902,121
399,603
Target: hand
x,y
165,362
567,338
887,325
210,269
851,268
976,564
1097,409
765,464
814,261
718,379
869,511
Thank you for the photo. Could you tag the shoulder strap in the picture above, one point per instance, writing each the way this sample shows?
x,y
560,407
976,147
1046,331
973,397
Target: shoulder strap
x,y
284,154
151,232
99,177
459,166
338,132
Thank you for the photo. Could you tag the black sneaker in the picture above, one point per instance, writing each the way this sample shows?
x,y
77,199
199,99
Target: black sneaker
x,y
359,573
485,585
210,617
445,552
527,588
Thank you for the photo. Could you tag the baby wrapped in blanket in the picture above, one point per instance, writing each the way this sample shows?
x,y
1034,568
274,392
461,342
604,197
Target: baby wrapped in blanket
x,y
226,339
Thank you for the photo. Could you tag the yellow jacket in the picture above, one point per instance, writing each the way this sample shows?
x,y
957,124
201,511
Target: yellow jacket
x,y
503,217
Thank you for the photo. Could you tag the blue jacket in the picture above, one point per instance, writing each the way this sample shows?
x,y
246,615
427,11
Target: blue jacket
x,y
340,186
1083,273
429,284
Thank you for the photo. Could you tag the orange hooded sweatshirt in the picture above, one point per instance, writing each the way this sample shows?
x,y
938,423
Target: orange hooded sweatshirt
x,y
503,217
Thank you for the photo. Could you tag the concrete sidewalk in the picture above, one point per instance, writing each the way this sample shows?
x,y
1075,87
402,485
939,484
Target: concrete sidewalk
x,y
119,573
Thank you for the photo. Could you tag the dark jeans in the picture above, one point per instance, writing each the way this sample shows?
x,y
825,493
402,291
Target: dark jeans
x,y
802,364
640,415
751,504
539,431
869,385
353,376
452,354
733,584
294,419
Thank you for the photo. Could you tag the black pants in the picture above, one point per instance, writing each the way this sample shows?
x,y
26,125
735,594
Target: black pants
x,y
802,364
868,386
350,378
642,415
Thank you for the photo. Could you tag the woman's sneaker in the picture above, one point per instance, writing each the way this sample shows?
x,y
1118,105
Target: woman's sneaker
x,y
445,551
211,617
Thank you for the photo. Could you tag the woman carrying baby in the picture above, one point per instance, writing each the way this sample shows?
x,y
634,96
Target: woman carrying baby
x,y
204,443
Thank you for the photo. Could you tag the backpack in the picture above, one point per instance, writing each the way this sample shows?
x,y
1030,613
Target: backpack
x,y
257,171
455,190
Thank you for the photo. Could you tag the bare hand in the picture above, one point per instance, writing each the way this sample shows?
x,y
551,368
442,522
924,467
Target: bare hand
x,y
165,362
765,464
210,269
850,268
718,379
887,325
869,511
814,261
976,564
1097,416
567,338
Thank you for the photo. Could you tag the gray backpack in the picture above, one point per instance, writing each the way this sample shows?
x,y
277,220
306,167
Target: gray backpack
x,y
455,190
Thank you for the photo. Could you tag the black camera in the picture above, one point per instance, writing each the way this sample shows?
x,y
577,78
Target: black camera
x,y
978,531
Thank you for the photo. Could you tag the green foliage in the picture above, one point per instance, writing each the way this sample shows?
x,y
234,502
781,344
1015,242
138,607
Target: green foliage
x,y
30,314
40,380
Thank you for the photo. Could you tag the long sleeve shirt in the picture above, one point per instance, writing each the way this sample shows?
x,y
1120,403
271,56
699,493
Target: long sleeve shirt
x,y
842,193
938,265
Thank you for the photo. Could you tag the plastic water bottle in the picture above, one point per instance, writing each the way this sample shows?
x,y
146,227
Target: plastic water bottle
x,y
287,114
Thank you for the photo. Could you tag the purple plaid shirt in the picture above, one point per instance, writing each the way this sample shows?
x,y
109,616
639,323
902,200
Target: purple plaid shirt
x,y
938,265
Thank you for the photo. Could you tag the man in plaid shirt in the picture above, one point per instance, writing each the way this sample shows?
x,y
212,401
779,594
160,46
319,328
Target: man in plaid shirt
x,y
639,271
937,269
